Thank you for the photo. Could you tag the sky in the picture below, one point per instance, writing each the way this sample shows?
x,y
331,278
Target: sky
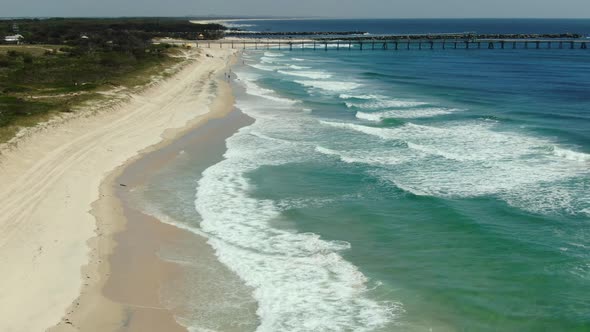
x,y
302,8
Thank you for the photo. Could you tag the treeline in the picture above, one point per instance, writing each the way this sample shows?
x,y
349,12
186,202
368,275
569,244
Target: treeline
x,y
110,39
64,62
35,80
71,31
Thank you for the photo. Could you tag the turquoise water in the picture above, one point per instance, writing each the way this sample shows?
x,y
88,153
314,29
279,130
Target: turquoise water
x,y
458,181
407,191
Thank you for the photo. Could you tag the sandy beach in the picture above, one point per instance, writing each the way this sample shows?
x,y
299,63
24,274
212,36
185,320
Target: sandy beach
x,y
60,213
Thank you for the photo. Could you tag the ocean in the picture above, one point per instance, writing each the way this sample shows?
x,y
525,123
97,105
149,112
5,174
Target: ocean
x,y
399,190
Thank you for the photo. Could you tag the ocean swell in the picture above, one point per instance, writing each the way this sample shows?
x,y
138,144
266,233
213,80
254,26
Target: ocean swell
x,y
301,281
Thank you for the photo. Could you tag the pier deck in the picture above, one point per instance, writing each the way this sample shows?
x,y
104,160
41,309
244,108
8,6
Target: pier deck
x,y
396,44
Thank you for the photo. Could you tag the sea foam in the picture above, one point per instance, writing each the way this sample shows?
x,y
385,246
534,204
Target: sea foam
x,y
273,54
372,157
364,97
307,74
296,67
405,114
385,103
301,281
265,67
330,86
474,159
571,155
256,90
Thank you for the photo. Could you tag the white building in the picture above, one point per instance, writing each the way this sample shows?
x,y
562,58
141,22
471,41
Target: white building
x,y
14,39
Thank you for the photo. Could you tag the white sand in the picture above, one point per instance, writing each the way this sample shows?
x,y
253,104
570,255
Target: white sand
x,y
48,183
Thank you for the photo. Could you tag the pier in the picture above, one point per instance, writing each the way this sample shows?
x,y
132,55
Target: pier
x,y
395,44
348,41
354,40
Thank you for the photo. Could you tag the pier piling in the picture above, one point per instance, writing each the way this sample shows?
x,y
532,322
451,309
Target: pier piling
x,y
408,43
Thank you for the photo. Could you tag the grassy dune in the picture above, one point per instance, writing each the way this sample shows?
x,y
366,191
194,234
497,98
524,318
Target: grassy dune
x,y
36,82
65,62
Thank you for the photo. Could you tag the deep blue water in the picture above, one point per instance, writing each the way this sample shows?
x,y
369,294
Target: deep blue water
x,y
415,26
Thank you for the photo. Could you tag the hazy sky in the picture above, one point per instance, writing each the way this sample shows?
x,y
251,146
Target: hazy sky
x,y
325,8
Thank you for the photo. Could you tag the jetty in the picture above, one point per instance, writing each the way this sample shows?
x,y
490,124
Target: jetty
x,y
449,41
399,44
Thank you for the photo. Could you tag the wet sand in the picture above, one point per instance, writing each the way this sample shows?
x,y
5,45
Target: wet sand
x,y
195,285
128,296
59,211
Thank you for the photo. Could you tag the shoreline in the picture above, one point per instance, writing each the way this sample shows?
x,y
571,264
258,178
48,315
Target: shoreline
x,y
48,233
126,295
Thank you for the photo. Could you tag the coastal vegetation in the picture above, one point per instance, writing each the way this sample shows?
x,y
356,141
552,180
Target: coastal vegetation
x,y
72,31
62,63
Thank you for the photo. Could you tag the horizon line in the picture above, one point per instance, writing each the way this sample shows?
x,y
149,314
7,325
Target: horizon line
x,y
237,17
